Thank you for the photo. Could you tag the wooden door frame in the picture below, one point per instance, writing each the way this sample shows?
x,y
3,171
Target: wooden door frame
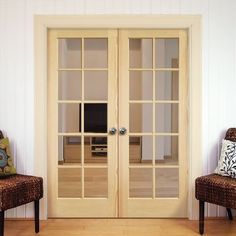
x,y
192,23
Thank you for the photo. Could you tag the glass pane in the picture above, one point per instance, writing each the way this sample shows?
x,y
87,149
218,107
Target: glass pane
x,y
69,149
167,53
69,53
167,85
69,118
95,150
167,118
140,85
166,150
140,182
95,118
95,85
95,53
69,87
167,182
140,150
69,182
140,117
95,182
140,53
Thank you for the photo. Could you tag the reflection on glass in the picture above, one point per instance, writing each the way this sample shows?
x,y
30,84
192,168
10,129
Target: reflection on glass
x,y
69,87
167,85
167,182
95,53
140,150
95,150
95,118
69,53
166,150
69,182
95,85
140,85
69,118
140,53
167,53
140,117
69,149
140,182
95,182
166,118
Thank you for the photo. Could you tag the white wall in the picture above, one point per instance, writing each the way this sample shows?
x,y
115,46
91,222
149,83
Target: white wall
x,y
17,68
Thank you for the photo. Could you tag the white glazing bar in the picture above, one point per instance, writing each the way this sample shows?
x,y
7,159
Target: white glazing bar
x,y
138,134
69,69
141,101
95,101
167,166
69,166
92,166
95,134
140,166
69,134
151,101
166,69
167,134
161,134
82,120
140,69
82,69
154,118
69,101
167,101
154,69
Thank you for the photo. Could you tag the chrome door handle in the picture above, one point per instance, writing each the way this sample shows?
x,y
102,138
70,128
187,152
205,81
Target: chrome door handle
x,y
112,131
123,131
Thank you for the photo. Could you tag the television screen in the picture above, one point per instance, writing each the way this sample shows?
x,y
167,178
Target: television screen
x,y
95,118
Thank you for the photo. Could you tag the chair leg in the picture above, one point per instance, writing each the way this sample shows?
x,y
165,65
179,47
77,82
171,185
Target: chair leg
x,y
1,223
36,215
229,213
201,217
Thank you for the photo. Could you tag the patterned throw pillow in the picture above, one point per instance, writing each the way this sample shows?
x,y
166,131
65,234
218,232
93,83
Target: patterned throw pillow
x,y
6,163
227,162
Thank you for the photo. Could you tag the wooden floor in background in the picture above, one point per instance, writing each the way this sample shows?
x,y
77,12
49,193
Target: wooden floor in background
x,y
95,185
120,227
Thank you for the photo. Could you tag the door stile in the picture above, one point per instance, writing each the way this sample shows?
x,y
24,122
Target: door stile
x,y
112,121
123,121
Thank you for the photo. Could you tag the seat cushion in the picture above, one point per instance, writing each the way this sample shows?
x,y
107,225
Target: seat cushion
x,y
217,189
18,189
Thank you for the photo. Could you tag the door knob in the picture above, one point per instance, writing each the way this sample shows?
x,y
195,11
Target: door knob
x,y
123,130
112,131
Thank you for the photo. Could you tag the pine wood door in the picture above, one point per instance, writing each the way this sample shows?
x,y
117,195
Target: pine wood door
x,y
153,110
82,101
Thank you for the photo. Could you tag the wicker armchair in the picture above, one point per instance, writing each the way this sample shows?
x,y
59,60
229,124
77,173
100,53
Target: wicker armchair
x,y
17,190
216,189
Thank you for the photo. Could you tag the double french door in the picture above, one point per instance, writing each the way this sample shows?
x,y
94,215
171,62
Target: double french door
x,y
117,123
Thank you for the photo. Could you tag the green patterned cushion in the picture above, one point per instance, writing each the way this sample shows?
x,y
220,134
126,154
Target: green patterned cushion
x,y
6,163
